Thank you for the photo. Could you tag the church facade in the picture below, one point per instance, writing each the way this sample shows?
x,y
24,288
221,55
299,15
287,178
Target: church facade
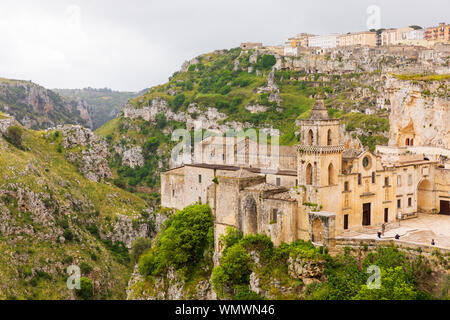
x,y
321,189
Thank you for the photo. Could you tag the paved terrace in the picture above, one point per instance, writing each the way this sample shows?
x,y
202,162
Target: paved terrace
x,y
418,231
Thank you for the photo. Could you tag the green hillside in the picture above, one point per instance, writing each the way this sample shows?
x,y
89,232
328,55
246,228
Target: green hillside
x,y
52,217
229,80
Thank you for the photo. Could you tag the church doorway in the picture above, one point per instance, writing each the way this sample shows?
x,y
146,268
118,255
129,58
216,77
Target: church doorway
x,y
445,207
366,214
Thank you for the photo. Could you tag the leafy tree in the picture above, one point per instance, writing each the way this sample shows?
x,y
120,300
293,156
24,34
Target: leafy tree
x,y
266,61
14,136
138,247
183,241
161,120
234,270
178,100
150,147
395,285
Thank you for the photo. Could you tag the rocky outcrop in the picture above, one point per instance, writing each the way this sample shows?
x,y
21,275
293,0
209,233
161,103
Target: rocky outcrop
x,y
5,124
170,286
87,151
419,110
133,157
127,229
208,118
36,107
305,269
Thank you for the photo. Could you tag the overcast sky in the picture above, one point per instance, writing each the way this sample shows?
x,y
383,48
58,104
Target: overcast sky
x,y
135,44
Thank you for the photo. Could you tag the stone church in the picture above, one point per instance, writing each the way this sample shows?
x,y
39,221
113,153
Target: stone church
x,y
321,188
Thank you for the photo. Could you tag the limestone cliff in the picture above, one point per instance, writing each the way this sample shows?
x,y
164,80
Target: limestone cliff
x,y
420,110
38,108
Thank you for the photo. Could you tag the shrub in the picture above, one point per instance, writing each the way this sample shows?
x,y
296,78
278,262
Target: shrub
x,y
86,291
14,136
266,61
178,101
85,268
394,286
182,244
234,270
138,247
186,236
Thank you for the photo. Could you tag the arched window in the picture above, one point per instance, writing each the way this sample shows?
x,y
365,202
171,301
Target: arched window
x,y
309,174
329,141
407,142
310,138
331,178
411,142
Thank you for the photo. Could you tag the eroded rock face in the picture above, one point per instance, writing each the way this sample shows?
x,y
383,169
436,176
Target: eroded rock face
x,y
92,159
420,111
209,118
36,107
300,269
127,229
171,286
5,124
133,157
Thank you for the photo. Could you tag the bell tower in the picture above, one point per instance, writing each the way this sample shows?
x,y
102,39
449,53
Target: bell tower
x,y
320,151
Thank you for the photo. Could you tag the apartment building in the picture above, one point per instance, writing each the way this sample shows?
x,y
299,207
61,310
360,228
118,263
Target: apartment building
x,y
365,38
324,41
440,33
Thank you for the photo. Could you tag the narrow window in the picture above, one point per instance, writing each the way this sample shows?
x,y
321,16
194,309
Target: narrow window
x,y
386,214
386,181
399,181
399,203
296,182
274,215
173,193
373,177
309,174
359,179
409,202
278,182
346,186
199,178
345,221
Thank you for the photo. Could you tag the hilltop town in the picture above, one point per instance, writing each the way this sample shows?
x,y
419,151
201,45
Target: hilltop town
x,y
406,36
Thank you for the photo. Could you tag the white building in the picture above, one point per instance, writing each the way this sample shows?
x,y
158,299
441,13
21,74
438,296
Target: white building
x,y
324,41
414,35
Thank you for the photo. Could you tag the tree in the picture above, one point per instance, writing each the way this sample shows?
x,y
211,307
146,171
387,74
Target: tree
x,y
178,101
150,146
14,136
161,120
415,27
267,61
138,247
394,286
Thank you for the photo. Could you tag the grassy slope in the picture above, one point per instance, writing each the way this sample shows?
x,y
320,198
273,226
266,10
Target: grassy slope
x,y
21,255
